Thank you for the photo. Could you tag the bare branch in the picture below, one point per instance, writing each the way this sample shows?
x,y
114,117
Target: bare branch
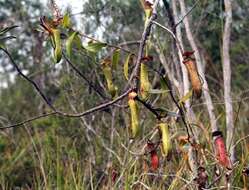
x,y
190,10
97,108
29,120
135,74
84,77
73,115
172,34
29,80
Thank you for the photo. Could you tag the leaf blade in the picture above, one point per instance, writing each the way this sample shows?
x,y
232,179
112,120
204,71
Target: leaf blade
x,y
57,44
69,44
115,58
186,97
95,47
66,23
126,66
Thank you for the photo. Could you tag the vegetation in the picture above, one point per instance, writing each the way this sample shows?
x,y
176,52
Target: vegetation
x,y
138,96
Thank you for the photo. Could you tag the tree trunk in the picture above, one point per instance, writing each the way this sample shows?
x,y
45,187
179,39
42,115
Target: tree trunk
x,y
200,68
227,77
39,78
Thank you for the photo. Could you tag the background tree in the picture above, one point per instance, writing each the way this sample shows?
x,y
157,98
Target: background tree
x,y
71,146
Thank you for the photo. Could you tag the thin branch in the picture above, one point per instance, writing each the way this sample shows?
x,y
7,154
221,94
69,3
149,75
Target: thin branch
x,y
135,74
72,115
149,107
172,34
192,8
84,77
241,139
200,68
94,109
29,80
29,120
182,113
169,175
97,108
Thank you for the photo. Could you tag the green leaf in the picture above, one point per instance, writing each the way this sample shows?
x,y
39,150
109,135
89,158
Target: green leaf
x,y
95,46
126,66
77,41
186,97
57,45
158,91
2,46
66,23
163,84
115,58
69,43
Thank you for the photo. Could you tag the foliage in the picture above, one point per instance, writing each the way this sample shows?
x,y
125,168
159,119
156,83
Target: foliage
x,y
78,70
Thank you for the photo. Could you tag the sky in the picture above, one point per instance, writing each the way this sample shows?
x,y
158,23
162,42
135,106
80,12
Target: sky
x,y
75,4
76,7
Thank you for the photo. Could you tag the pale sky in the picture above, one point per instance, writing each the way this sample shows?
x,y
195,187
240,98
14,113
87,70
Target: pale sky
x,y
75,4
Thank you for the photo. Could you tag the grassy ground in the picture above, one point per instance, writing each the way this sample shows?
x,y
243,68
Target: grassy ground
x,y
55,153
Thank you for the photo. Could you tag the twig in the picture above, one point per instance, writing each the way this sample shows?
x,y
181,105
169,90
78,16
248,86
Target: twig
x,y
94,109
97,108
241,139
85,78
135,74
149,107
172,34
29,120
177,104
29,80
56,11
192,8
139,182
72,115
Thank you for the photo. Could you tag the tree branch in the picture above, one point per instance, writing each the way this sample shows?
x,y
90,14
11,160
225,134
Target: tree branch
x,y
85,78
72,115
29,80
135,74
